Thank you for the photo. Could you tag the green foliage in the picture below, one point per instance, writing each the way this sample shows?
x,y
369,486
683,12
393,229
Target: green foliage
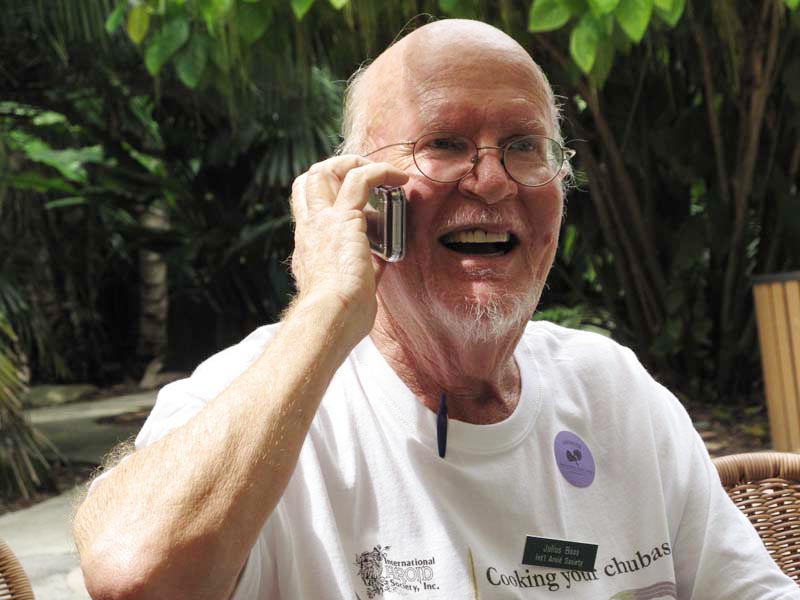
x,y
253,20
116,18
70,162
213,11
598,26
691,179
209,108
548,15
210,43
93,154
138,23
603,7
164,44
580,316
301,7
584,41
191,62
670,11
603,62
23,464
634,17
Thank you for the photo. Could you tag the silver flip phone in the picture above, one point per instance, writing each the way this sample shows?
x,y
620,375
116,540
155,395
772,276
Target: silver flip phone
x,y
386,222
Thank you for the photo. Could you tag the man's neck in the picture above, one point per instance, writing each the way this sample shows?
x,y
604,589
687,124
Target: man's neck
x,y
480,379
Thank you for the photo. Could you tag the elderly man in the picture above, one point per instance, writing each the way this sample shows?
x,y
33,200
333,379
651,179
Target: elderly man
x,y
304,462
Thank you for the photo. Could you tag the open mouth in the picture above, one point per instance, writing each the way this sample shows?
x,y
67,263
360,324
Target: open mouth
x,y
478,241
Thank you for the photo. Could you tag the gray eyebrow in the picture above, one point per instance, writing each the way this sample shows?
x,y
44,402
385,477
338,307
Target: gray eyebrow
x,y
535,126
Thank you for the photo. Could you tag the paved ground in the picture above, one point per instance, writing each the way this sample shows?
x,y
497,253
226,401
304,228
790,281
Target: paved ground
x,y
41,536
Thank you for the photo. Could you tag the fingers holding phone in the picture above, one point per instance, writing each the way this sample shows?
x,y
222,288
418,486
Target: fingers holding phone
x,y
332,252
345,181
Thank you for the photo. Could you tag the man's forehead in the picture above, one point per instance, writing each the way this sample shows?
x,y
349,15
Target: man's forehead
x,y
441,115
460,92
427,70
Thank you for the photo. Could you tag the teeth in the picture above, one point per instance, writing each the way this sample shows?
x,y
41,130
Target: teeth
x,y
476,236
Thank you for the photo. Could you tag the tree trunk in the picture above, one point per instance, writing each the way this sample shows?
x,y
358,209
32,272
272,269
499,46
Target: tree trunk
x,y
154,290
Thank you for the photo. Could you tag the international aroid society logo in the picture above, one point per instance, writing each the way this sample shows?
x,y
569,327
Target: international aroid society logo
x,y
380,573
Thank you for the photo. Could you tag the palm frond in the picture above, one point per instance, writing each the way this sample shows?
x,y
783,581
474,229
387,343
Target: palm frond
x,y
22,449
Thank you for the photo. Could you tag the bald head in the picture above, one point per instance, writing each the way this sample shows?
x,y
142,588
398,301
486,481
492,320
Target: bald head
x,y
409,75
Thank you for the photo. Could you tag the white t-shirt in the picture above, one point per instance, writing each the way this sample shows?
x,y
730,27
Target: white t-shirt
x,y
596,452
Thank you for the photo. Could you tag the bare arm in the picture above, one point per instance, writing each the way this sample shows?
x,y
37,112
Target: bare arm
x,y
179,517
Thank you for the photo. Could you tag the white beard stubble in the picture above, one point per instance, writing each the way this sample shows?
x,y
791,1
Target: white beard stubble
x,y
491,319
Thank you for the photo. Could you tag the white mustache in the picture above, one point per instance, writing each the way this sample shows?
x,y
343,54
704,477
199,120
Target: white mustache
x,y
482,215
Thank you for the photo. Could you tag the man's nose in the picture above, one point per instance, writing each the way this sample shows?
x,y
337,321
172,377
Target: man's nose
x,y
488,180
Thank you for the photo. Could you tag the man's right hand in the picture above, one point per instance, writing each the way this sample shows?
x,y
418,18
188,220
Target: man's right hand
x,y
332,258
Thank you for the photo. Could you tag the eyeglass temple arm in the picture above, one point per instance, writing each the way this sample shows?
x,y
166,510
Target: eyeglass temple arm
x,y
388,146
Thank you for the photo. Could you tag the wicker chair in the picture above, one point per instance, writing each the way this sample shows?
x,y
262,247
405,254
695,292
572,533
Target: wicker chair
x,y
766,487
14,584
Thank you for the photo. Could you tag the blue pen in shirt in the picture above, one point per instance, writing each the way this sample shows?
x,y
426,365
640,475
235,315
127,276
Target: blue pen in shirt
x,y
441,426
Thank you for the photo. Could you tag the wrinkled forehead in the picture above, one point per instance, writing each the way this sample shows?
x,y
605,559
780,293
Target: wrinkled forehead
x,y
434,89
428,78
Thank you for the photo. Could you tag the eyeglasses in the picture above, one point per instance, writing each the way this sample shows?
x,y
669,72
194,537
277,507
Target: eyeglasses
x,y
446,157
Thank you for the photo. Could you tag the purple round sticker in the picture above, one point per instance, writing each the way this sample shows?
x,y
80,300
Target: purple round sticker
x,y
574,459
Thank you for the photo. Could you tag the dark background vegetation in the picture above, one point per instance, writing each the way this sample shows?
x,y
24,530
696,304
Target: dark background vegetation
x,y
147,151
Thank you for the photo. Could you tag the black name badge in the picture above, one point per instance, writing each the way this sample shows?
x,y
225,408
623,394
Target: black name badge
x,y
559,554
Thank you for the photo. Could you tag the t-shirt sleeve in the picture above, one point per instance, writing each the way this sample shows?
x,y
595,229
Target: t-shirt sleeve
x,y
178,402
717,552
181,400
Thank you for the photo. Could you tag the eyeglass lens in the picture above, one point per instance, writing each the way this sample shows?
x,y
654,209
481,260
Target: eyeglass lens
x,y
531,160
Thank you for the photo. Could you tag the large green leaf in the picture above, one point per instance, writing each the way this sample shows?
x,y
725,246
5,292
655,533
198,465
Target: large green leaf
x,y
607,22
138,23
169,39
602,7
214,11
583,42
672,14
191,61
69,161
67,202
792,4
634,17
338,4
603,61
301,7
548,15
252,20
116,17
35,182
576,7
